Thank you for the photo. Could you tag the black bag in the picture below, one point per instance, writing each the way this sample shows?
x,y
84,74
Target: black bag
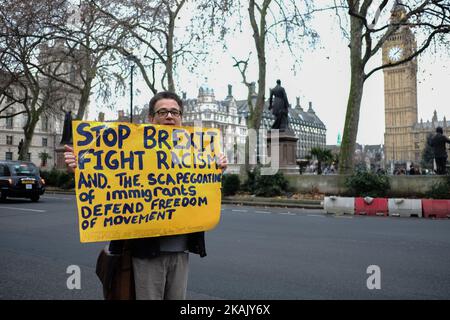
x,y
115,272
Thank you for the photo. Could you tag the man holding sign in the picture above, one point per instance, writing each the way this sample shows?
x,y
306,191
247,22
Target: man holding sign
x,y
180,159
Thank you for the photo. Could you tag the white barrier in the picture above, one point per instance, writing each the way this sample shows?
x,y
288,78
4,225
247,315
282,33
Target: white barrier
x,y
339,205
405,207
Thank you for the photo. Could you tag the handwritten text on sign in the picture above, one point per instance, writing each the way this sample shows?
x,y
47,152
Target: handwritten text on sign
x,y
136,181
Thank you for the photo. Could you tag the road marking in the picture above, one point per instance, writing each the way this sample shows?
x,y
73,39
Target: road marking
x,y
262,211
46,197
287,213
315,215
22,209
239,210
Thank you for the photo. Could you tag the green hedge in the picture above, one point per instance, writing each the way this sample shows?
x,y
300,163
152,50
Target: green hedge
x,y
230,184
271,185
58,178
265,185
365,183
440,190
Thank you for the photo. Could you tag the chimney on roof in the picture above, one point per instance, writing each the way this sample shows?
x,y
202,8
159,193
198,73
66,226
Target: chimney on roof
x,y
298,106
253,88
230,92
253,93
121,115
310,110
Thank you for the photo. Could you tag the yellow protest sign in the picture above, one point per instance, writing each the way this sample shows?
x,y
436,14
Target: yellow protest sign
x,y
136,181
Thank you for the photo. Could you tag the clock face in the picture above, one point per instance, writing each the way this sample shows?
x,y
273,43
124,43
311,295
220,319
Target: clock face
x,y
395,53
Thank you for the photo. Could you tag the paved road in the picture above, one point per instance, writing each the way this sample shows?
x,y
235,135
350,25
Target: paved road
x,y
254,253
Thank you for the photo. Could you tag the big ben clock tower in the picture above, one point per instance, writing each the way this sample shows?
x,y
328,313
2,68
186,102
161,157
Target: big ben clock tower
x,y
400,92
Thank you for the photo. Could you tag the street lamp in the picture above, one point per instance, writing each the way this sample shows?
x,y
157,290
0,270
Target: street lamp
x,y
131,58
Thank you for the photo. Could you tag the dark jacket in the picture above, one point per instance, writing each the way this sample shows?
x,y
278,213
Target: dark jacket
x,y
150,247
438,144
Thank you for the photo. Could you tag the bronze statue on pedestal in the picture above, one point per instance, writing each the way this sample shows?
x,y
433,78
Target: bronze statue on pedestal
x,y
279,107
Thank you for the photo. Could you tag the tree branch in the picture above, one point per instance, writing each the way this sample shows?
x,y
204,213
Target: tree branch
x,y
412,56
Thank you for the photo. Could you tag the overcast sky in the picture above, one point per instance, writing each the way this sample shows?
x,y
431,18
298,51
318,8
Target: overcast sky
x,y
322,77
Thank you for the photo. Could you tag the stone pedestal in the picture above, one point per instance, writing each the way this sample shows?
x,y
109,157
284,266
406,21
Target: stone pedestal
x,y
287,151
60,164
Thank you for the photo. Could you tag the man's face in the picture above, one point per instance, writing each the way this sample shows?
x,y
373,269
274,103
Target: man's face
x,y
161,107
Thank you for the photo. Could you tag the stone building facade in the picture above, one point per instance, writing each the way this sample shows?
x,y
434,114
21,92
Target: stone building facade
x,y
230,116
422,129
306,125
369,157
45,139
404,137
47,134
208,112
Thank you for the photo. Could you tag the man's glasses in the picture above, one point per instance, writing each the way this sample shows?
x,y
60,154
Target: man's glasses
x,y
164,112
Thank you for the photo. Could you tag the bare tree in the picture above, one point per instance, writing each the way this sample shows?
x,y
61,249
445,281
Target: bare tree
x,y
282,21
431,19
155,27
9,84
88,62
23,32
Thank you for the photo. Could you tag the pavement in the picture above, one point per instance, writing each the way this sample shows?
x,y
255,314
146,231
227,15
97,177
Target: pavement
x,y
243,200
253,253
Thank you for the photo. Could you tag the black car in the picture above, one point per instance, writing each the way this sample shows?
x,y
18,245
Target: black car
x,y
19,179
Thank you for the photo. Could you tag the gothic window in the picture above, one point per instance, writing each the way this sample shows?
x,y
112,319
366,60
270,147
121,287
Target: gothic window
x,y
9,121
44,123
